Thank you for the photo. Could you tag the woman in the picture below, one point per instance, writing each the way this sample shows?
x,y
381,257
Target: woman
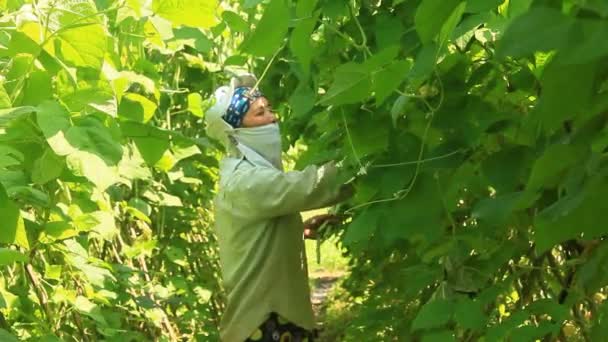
x,y
259,228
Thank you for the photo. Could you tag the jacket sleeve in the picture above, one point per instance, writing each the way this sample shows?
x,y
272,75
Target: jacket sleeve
x,y
265,192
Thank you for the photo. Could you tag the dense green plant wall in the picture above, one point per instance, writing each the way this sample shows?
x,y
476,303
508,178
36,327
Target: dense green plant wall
x,y
106,179
478,129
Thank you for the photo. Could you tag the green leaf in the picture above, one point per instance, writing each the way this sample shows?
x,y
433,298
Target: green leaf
x,y
29,195
12,227
433,314
94,168
141,206
88,308
507,169
182,149
125,80
518,7
439,336
388,30
540,29
10,256
450,24
91,100
430,17
478,6
60,230
195,104
389,79
498,210
558,312
469,314
577,81
9,114
37,88
5,100
551,167
417,216
235,22
176,255
425,63
5,336
302,100
53,271
192,37
48,167
54,120
235,60
193,13
362,227
269,31
136,107
79,32
301,43
573,216
351,84
589,43
132,166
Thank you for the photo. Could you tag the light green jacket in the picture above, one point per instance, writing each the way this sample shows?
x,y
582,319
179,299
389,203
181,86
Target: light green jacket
x,y
260,233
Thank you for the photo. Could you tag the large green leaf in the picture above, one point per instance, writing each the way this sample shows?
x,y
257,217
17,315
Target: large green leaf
x,y
92,99
136,107
133,166
94,168
193,13
9,114
362,227
37,88
7,336
431,15
433,314
10,256
95,139
476,6
574,216
54,120
269,31
12,226
497,210
78,32
577,81
588,43
235,22
193,37
351,84
88,308
389,79
99,222
48,167
540,29
469,314
551,168
300,41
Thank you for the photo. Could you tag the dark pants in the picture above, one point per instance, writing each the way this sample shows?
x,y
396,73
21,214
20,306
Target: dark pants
x,y
276,330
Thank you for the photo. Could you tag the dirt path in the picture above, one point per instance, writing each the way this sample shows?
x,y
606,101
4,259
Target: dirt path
x,y
323,284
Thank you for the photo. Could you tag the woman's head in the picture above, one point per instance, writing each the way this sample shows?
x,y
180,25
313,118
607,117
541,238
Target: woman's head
x,y
242,119
249,108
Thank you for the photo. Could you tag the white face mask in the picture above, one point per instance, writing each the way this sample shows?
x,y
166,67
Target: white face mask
x,y
262,140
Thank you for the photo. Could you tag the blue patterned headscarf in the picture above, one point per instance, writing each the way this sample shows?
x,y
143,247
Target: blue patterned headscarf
x,y
242,99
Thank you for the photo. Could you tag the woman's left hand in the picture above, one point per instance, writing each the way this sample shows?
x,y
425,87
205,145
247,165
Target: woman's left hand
x,y
312,225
